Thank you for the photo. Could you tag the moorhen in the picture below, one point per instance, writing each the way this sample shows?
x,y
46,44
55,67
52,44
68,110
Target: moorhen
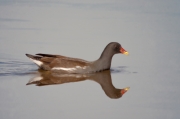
x,y
63,64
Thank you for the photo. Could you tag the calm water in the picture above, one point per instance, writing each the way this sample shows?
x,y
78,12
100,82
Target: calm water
x,y
148,31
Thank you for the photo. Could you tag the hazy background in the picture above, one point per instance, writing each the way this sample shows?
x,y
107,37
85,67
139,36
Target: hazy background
x,y
149,30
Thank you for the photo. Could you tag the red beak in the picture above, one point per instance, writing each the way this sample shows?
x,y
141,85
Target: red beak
x,y
123,51
124,90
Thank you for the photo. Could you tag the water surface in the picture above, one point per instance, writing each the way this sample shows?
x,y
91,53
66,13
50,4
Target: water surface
x,y
149,31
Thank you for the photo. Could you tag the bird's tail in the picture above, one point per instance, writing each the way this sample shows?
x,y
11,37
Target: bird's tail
x,y
33,57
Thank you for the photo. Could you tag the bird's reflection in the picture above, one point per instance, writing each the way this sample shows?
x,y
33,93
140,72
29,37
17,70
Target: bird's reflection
x,y
103,78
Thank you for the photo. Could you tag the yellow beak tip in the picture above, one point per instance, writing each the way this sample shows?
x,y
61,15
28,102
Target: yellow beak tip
x,y
127,88
126,53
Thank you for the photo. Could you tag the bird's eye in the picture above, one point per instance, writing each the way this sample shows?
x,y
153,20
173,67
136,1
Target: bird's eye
x,y
116,47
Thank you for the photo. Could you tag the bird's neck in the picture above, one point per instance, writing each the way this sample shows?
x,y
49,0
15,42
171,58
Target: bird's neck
x,y
104,62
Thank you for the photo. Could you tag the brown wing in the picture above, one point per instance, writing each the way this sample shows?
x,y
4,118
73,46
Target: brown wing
x,y
48,58
50,55
63,61
68,62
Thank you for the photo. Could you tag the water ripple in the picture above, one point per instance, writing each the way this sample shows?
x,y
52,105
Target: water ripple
x,y
121,69
8,68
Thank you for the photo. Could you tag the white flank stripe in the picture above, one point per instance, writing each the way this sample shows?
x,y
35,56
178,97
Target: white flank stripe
x,y
70,75
61,68
70,69
84,67
78,67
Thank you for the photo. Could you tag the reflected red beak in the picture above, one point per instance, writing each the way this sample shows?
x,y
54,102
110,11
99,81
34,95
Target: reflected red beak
x,y
124,90
123,51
